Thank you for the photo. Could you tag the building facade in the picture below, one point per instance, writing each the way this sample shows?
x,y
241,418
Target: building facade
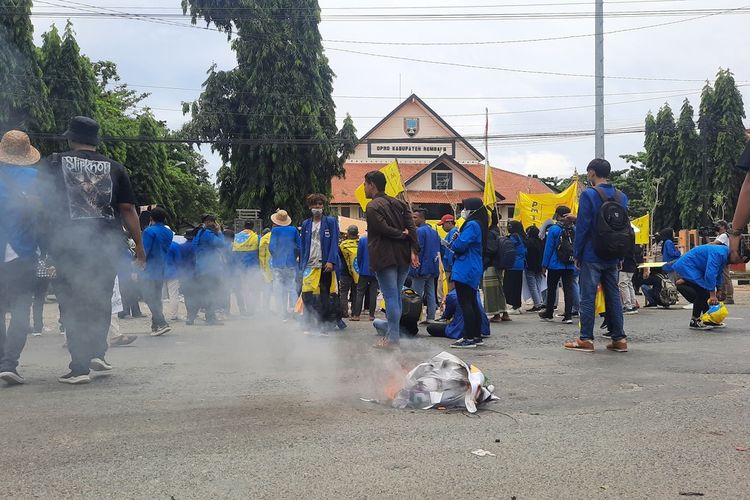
x,y
439,168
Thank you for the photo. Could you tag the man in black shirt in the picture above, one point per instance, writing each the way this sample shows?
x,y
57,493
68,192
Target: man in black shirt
x,y
89,200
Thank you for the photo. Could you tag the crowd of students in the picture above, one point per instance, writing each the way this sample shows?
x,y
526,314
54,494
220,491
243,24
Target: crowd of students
x,y
71,221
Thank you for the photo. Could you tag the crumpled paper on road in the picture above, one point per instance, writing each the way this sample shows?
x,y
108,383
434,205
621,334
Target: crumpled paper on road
x,y
444,381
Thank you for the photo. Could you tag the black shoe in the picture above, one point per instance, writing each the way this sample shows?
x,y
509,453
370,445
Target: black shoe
x,y
161,330
75,379
121,315
100,365
545,317
696,324
607,334
574,314
568,321
11,377
479,341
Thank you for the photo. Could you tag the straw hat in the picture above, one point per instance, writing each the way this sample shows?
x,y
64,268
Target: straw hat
x,y
281,218
16,149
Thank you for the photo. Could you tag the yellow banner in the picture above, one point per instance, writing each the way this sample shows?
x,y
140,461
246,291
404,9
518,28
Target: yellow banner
x,y
643,224
393,186
490,197
534,209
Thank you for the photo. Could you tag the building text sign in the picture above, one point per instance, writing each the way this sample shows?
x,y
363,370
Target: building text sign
x,y
378,148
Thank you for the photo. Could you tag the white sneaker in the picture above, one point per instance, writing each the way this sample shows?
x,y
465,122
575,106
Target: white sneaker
x,y
36,334
515,312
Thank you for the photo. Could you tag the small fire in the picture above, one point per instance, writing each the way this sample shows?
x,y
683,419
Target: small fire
x,y
394,382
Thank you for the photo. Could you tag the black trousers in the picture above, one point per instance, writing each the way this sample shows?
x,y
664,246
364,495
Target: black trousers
x,y
84,285
316,306
467,301
16,289
697,295
437,330
192,298
41,285
152,294
347,286
367,287
209,294
553,279
512,286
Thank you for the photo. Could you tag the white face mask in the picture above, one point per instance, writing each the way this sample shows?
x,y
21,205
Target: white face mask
x,y
465,214
317,211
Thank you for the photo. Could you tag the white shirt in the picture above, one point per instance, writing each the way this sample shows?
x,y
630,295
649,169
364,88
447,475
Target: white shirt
x,y
316,253
723,239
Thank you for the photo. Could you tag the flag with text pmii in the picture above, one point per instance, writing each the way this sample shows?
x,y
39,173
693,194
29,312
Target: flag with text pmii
x,y
393,185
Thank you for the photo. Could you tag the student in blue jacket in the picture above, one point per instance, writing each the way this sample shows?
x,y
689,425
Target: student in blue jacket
x,y
423,278
319,256
157,238
669,251
454,318
468,247
556,269
368,283
209,247
701,273
513,279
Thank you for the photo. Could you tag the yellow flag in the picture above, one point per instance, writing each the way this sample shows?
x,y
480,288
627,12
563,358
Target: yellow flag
x,y
393,186
534,209
490,196
643,224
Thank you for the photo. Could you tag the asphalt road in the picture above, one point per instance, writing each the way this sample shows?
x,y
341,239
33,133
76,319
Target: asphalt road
x,y
255,410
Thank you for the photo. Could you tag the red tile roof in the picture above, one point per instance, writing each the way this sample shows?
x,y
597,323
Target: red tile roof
x,y
509,184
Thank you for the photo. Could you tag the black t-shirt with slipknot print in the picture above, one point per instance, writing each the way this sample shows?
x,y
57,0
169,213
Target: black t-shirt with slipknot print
x,y
86,189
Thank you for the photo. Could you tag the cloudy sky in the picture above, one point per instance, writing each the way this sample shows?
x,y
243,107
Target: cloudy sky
x,y
679,47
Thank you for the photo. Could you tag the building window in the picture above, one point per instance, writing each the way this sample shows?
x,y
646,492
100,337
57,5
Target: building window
x,y
511,211
442,181
361,213
346,212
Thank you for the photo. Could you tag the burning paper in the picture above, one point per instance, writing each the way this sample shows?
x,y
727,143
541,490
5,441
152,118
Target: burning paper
x,y
444,381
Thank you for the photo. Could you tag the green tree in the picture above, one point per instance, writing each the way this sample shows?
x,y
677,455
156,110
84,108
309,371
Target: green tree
x,y
147,164
69,77
273,115
347,139
708,125
661,160
23,95
730,141
689,195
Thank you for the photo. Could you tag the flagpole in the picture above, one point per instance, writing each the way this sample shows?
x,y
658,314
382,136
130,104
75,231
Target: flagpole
x,y
487,155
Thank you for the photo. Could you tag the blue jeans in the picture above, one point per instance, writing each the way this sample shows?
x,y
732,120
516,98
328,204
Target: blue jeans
x,y
576,294
391,281
591,275
535,282
424,286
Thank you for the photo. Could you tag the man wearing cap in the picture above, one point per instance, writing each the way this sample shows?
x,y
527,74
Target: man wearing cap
x,y
722,238
19,204
349,271
89,200
284,249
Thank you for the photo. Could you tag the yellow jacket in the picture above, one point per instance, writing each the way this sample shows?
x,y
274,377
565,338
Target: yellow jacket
x,y
349,251
265,257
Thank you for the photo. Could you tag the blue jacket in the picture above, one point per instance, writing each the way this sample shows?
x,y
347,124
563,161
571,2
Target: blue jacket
x,y
186,267
467,266
455,329
520,262
703,265
669,252
284,245
429,252
209,248
17,184
588,211
249,260
446,252
173,264
363,258
157,238
551,242
329,241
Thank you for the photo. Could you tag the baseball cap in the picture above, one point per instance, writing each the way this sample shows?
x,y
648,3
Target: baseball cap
x,y
446,218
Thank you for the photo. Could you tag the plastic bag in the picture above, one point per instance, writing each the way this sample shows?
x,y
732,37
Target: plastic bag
x,y
715,314
600,305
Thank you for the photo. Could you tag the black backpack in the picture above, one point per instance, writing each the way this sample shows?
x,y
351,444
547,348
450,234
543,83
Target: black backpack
x,y
491,250
565,246
614,236
506,254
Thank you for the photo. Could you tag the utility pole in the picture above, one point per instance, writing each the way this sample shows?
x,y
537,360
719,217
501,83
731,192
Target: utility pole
x,y
599,55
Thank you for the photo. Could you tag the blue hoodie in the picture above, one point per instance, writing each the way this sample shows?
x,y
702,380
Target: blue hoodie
x,y
467,266
209,248
17,229
520,262
173,264
551,242
157,239
669,252
284,247
429,253
455,329
588,212
703,265
363,258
